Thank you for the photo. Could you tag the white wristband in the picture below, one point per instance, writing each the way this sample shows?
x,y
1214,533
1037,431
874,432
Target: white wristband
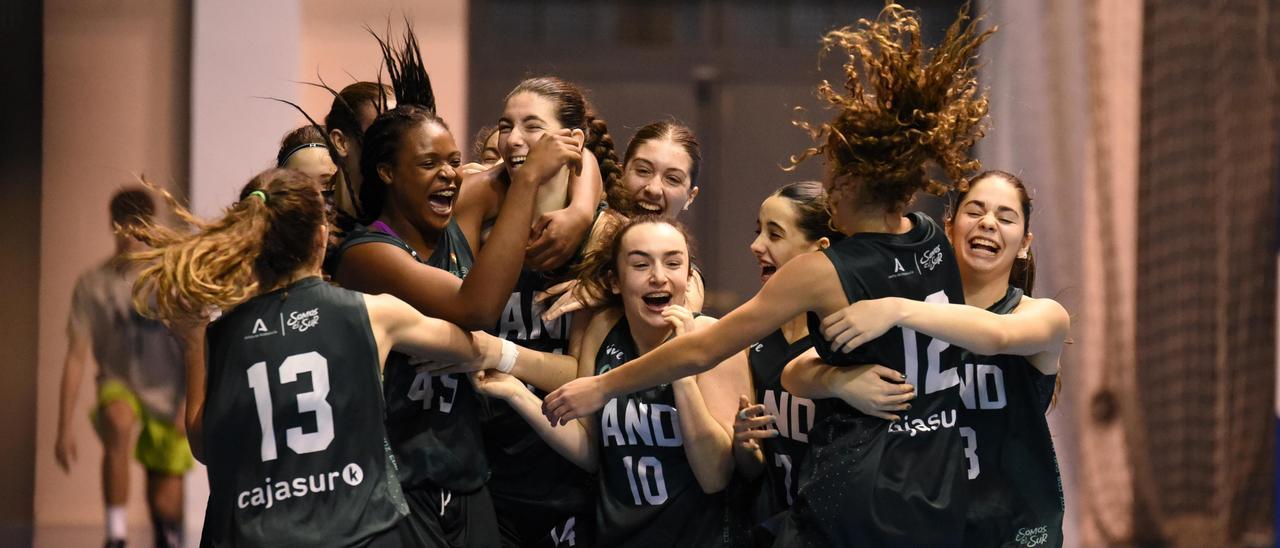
x,y
509,353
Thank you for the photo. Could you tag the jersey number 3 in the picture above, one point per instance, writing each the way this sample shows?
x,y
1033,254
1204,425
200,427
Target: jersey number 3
x,y
308,402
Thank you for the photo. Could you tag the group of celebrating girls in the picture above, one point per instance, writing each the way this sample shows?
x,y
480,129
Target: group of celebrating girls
x,y
411,351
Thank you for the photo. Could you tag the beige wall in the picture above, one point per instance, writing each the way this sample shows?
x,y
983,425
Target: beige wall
x,y
336,44
114,105
116,102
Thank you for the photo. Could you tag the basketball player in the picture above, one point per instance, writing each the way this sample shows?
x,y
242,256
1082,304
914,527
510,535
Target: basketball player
x,y
1008,372
415,246
662,455
771,436
290,418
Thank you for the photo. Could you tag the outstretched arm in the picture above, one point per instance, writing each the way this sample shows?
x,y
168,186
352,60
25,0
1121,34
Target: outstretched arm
x,y
570,440
795,288
398,326
1037,326
559,233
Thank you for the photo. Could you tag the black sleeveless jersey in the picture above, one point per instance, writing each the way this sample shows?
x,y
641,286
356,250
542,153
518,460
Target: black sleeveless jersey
x,y
868,482
1013,471
294,440
794,415
433,421
648,495
525,469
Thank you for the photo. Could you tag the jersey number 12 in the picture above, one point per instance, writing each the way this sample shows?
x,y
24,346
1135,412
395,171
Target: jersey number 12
x,y
308,402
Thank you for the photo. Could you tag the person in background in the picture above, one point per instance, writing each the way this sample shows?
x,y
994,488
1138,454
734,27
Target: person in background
x,y
139,385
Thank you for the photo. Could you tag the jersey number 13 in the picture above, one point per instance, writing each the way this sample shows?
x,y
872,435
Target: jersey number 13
x,y
308,402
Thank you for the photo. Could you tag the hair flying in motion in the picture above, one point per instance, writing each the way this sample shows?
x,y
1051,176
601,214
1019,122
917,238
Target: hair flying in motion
x,y
258,243
902,107
408,74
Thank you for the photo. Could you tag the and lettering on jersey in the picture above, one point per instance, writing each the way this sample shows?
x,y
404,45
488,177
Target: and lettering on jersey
x,y
982,387
515,326
793,415
650,424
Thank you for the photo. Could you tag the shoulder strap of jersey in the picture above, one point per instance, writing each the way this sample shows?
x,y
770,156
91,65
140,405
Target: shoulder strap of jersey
x,y
363,235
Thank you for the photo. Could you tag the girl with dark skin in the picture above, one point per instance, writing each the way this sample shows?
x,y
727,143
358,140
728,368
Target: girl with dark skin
x,y
416,247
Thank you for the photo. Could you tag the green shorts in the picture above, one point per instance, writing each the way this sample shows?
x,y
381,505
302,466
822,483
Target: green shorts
x,y
161,447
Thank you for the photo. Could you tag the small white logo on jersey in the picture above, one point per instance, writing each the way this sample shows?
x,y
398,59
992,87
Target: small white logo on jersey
x,y
1032,537
613,352
757,347
259,330
353,474
302,321
932,258
899,271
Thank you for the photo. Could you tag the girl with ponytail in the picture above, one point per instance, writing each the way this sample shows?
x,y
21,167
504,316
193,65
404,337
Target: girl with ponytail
x,y
260,263
540,496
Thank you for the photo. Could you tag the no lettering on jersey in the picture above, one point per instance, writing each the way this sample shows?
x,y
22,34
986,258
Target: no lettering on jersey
x,y
648,495
293,431
1013,471
868,482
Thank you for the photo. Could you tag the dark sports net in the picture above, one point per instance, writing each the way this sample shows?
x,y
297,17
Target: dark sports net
x,y
1200,420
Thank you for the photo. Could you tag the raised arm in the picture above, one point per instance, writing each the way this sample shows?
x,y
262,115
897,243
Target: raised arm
x,y
795,288
707,405
1037,326
559,233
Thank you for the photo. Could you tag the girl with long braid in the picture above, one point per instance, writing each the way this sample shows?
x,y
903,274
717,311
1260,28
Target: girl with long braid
x,y
540,496
412,244
902,110
289,415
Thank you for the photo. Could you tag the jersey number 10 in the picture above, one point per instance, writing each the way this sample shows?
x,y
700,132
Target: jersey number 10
x,y
308,402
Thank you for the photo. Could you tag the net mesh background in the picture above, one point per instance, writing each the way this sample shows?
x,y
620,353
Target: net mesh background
x,y
1201,432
